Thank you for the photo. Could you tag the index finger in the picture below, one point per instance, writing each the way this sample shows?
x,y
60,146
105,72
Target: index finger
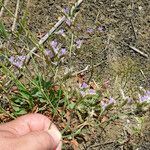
x,y
27,123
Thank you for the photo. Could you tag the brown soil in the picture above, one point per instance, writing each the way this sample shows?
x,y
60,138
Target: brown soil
x,y
124,21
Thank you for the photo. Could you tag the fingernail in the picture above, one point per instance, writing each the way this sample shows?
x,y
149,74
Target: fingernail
x,y
56,135
59,146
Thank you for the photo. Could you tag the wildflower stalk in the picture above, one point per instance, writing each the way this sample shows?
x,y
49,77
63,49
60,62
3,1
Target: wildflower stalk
x,y
71,45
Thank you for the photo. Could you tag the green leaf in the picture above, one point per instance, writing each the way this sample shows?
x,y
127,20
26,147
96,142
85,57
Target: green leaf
x,y
3,32
71,105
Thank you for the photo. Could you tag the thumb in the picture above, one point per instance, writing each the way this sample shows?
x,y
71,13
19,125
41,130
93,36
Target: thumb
x,y
40,140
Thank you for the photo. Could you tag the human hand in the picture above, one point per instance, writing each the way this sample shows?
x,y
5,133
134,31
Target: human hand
x,y
30,132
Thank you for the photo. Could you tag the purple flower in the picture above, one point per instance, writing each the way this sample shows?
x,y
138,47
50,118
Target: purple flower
x,y
17,61
111,100
84,85
90,30
62,52
68,22
54,45
66,10
79,43
61,32
101,28
129,100
92,92
147,93
49,53
104,105
145,98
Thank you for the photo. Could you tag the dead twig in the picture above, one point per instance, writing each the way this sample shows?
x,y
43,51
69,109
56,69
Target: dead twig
x,y
16,14
102,144
2,9
137,50
81,71
133,28
73,74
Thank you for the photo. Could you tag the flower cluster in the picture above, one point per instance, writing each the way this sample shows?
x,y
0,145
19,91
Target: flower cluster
x,y
67,13
17,60
145,97
57,50
107,103
85,90
91,30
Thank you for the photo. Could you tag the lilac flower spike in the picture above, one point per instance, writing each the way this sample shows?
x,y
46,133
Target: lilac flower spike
x,y
17,61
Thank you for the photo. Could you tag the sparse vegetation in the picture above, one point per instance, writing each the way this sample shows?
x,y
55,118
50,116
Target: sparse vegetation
x,y
84,64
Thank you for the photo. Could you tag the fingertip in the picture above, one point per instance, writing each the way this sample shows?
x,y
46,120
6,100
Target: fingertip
x,y
56,135
59,146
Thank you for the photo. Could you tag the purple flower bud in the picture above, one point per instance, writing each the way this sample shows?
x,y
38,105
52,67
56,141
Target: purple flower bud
x,y
49,53
112,101
92,92
66,10
54,45
68,22
79,43
61,32
62,52
101,28
84,85
144,98
90,30
147,93
104,105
